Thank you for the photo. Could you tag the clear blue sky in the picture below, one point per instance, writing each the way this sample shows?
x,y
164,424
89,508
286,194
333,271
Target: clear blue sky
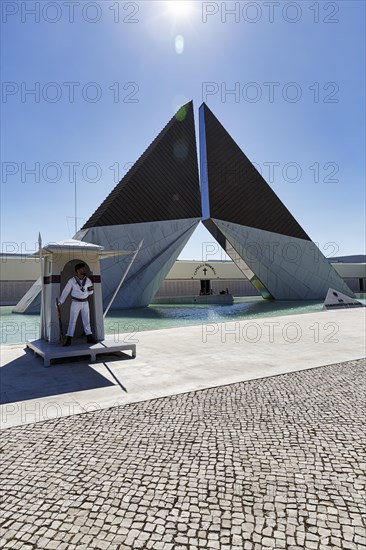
x,y
159,55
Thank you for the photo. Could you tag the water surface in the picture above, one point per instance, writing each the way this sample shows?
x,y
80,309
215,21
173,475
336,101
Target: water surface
x,y
16,328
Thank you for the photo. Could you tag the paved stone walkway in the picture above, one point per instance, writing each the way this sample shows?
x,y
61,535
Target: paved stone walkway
x,y
275,463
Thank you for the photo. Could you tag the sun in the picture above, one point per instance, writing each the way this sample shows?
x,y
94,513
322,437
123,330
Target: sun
x,y
179,8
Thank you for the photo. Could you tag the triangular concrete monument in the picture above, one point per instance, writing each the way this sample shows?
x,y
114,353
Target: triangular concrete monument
x,y
158,201
253,226
337,300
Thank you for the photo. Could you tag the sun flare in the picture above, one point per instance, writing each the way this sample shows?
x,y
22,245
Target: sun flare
x,y
179,8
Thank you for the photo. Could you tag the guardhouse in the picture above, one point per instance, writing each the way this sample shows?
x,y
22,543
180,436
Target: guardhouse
x,y
57,261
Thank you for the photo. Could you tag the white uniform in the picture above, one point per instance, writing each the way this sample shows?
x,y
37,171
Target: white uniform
x,y
79,290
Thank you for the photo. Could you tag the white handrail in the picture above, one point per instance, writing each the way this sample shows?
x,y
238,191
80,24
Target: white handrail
x,y
123,278
43,310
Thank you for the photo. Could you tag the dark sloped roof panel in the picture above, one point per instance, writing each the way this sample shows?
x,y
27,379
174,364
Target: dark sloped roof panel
x,y
236,190
163,184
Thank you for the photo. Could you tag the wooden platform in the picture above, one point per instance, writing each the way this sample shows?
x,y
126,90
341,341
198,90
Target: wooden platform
x,y
55,351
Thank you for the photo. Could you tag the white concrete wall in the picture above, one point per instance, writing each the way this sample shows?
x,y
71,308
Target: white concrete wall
x,y
19,268
17,274
171,287
190,269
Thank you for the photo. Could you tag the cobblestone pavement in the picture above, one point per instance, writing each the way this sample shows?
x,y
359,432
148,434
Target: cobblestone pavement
x,y
271,463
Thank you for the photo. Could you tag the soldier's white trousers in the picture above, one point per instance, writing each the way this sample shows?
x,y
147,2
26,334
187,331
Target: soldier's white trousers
x,y
75,309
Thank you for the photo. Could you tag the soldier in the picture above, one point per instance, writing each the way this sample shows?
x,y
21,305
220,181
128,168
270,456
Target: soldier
x,y
80,287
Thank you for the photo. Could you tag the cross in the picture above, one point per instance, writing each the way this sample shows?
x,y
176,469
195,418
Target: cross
x,y
204,271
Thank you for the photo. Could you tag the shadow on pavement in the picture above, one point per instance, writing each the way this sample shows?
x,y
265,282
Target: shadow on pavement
x,y
26,378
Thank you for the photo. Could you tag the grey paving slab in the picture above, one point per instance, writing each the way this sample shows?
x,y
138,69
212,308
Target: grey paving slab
x,y
274,463
179,360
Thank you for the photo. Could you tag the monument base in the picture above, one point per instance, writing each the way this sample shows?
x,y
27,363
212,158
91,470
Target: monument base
x,y
209,299
56,351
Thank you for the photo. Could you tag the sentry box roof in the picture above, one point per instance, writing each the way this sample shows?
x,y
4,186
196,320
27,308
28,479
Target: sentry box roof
x,y
65,247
